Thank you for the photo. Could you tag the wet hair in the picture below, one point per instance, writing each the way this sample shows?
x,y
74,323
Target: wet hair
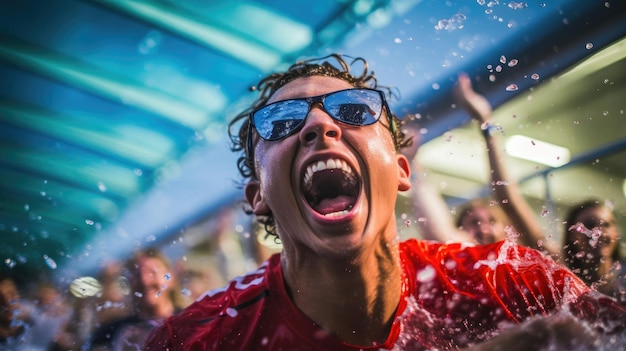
x,y
335,66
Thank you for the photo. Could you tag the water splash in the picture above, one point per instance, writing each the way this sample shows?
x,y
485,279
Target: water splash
x,y
453,23
517,5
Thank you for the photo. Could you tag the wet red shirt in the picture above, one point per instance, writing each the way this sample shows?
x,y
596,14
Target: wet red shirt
x,y
452,296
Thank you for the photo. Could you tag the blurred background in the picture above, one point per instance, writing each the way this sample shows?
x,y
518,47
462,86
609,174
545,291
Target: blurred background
x,y
113,114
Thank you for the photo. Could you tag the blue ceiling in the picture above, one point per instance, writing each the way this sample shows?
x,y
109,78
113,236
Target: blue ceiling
x,y
112,112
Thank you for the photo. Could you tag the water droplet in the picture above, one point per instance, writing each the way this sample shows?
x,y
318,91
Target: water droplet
x,y
512,87
50,262
425,275
102,187
498,68
544,212
605,113
186,292
492,78
9,262
534,76
435,86
150,42
167,276
89,222
589,46
231,312
513,62
407,223
517,5
502,59
397,40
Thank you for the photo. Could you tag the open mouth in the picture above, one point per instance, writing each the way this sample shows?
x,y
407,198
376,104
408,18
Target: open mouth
x,y
330,187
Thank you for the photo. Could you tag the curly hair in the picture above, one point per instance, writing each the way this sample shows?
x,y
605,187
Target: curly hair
x,y
238,128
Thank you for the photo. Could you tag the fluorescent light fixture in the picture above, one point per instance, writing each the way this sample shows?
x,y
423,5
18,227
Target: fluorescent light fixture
x,y
537,151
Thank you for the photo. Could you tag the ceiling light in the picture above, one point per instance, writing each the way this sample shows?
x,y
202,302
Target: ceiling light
x,y
537,151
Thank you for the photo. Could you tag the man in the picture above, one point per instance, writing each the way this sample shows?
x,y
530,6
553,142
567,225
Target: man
x,y
152,301
326,183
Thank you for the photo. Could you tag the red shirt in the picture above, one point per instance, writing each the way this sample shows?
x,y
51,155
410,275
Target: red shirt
x,y
452,296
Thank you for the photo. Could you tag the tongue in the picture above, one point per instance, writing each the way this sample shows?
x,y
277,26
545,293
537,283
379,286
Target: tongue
x,y
336,204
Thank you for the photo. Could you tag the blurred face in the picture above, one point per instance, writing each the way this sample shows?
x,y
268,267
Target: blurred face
x,y
331,186
482,225
595,233
151,282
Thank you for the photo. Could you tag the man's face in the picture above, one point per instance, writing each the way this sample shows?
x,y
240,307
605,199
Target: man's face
x,y
482,225
335,211
600,236
152,281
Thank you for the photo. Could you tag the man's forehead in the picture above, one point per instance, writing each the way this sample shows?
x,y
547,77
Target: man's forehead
x,y
309,86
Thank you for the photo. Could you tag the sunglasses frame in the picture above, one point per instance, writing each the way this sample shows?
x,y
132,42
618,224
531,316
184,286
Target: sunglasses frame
x,y
319,100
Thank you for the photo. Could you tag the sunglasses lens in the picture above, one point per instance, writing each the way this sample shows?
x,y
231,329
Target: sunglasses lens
x,y
278,120
359,107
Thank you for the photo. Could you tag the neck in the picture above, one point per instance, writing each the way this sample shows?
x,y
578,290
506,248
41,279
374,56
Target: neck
x,y
354,299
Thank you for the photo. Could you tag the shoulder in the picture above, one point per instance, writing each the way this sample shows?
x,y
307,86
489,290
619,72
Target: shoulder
x,y
469,251
504,260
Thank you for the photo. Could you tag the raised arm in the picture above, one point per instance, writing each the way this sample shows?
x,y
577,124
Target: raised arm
x,y
434,219
505,189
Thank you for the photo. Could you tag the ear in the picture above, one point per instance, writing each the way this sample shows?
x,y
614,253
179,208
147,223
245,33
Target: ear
x,y
255,200
404,173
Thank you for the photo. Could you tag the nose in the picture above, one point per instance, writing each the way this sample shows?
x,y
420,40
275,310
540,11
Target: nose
x,y
319,126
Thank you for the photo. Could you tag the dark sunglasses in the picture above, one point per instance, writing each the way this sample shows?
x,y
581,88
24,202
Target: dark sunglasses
x,y
356,106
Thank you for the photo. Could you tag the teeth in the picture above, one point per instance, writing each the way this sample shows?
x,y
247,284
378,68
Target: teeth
x,y
336,214
322,165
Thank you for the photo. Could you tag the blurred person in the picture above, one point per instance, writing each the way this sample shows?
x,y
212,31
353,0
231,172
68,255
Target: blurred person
x,y
319,155
152,299
591,248
52,313
113,302
481,221
16,316
96,303
197,274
